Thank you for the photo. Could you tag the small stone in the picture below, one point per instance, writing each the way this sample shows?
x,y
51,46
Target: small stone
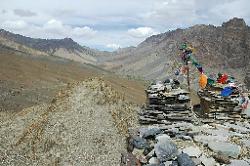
x,y
153,160
225,148
149,132
138,153
185,137
207,161
162,137
239,163
168,163
184,160
174,163
197,161
192,151
128,159
165,149
220,158
139,142
147,150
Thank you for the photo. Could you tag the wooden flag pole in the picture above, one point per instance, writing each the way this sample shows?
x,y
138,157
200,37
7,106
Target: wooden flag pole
x,y
188,76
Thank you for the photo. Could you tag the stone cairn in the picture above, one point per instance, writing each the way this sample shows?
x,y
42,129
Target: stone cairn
x,y
167,102
214,106
170,134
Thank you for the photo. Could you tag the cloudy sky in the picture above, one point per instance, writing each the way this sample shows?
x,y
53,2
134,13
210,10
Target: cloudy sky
x,y
110,24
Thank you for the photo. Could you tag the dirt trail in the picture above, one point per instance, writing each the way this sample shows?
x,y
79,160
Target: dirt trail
x,y
84,125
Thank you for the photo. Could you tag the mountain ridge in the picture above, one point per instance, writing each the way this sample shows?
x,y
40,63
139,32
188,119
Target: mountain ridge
x,y
65,48
224,48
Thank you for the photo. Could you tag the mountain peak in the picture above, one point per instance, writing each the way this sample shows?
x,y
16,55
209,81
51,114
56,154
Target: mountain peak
x,y
234,22
68,39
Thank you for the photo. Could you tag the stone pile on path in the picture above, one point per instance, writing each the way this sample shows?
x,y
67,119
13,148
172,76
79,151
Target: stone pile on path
x,y
216,106
166,102
162,141
181,143
186,144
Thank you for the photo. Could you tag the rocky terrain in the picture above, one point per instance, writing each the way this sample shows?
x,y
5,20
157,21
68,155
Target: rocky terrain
x,y
85,124
172,135
223,48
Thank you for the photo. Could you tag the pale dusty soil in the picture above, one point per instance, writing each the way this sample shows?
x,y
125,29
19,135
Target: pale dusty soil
x,y
83,125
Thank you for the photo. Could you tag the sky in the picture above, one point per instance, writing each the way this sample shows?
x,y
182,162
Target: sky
x,y
112,24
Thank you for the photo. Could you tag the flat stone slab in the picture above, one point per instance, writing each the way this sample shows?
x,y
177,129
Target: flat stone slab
x,y
149,132
238,163
204,139
192,151
238,128
225,148
221,132
207,161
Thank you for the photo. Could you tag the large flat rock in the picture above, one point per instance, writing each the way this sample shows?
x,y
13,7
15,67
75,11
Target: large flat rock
x,y
205,139
225,148
192,151
239,163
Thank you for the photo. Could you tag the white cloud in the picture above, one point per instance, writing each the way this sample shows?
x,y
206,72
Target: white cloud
x,y
113,46
113,18
51,29
141,32
51,24
55,26
15,25
84,31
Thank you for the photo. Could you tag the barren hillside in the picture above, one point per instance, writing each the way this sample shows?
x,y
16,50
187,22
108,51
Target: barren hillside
x,y
65,48
27,80
223,48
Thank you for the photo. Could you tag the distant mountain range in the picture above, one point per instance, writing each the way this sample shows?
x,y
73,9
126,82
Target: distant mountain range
x,y
65,48
223,48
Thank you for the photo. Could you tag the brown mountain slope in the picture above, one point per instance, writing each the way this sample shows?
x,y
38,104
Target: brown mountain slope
x,y
65,48
224,48
27,80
